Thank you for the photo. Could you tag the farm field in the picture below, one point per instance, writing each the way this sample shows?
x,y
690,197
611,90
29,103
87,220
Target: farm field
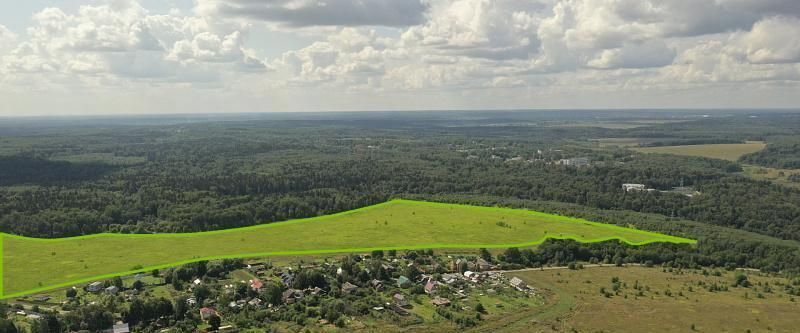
x,y
30,265
678,301
730,152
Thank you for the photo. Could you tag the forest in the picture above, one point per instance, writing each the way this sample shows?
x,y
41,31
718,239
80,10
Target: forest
x,y
66,179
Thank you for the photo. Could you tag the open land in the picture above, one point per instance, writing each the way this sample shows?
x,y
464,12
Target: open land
x,y
730,152
777,176
32,264
659,300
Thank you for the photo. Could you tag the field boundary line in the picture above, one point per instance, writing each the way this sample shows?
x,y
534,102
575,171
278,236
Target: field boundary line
x,y
653,238
2,277
330,251
561,218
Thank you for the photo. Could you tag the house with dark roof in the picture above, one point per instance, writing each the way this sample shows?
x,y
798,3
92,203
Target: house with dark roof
x,y
290,295
287,279
207,313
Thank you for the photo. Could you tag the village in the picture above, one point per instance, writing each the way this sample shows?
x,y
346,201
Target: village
x,y
357,291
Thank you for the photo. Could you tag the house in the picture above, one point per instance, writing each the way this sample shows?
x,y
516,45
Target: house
x,y
348,287
254,302
256,284
191,301
287,279
197,282
376,284
439,301
113,290
207,313
450,278
575,161
403,282
399,310
430,286
483,265
458,265
400,300
518,283
95,287
121,328
314,291
290,295
227,328
633,187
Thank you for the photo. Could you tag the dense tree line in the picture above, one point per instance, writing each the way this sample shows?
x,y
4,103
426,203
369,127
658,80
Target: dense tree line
x,y
217,175
782,154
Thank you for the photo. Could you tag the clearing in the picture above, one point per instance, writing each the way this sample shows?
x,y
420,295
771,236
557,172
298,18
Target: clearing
x,y
777,176
32,264
660,300
727,151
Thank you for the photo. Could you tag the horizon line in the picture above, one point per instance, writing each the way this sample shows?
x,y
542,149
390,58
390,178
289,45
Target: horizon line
x,y
307,112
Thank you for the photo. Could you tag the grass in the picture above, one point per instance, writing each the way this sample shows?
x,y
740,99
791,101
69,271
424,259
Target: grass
x,y
730,152
736,310
777,176
31,265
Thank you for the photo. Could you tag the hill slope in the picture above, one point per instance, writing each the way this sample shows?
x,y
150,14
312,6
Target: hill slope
x,y
31,264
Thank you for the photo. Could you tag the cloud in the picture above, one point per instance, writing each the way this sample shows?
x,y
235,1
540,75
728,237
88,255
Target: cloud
x,y
499,30
635,55
771,41
121,39
303,13
7,41
348,57
370,49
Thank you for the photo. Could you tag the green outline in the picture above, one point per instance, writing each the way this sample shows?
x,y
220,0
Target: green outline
x,y
659,238
2,235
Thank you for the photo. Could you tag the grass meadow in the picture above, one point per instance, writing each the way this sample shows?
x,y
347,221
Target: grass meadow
x,y
31,265
654,300
730,152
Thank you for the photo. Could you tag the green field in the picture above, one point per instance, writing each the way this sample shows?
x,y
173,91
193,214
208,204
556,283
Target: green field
x,y
31,264
730,152
777,176
677,301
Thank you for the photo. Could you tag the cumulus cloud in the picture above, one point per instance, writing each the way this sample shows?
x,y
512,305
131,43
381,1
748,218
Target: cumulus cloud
x,y
350,56
120,39
449,47
478,28
301,13
635,55
7,38
773,40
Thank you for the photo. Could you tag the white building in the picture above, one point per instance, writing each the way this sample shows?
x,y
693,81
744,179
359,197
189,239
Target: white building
x,y
633,187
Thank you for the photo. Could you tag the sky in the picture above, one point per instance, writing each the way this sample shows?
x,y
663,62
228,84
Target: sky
x,y
215,56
